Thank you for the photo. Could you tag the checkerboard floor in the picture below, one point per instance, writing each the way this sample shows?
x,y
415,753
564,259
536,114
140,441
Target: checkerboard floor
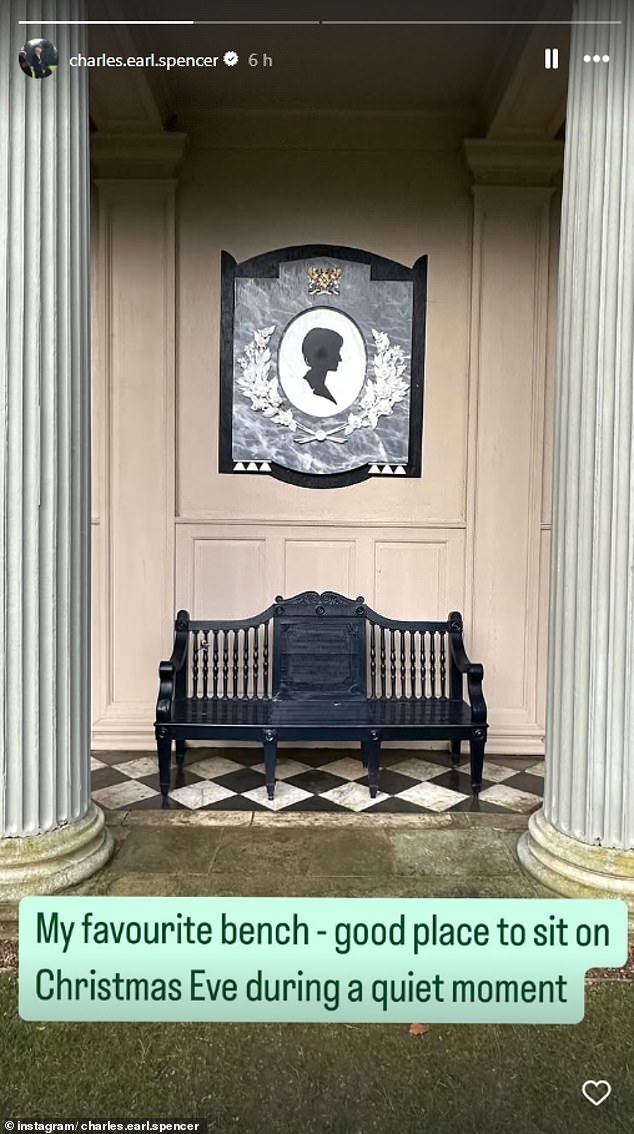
x,y
316,779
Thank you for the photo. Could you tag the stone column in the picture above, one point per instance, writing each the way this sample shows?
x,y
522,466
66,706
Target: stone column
x,y
582,842
51,836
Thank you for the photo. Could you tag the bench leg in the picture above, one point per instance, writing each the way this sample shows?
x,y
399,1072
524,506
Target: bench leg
x,y
180,752
270,757
164,750
455,751
477,758
371,749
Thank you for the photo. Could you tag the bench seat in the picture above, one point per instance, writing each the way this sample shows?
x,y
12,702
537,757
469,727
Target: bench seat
x,y
301,716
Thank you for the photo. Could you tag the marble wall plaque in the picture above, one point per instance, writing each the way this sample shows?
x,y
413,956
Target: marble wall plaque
x,y
321,365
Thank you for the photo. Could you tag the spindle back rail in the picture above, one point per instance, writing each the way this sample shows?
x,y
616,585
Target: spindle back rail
x,y
319,667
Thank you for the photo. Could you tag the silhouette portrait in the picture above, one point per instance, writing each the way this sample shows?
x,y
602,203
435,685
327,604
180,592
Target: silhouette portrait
x,y
322,352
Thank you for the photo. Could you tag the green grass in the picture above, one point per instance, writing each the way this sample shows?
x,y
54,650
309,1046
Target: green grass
x,y
326,1079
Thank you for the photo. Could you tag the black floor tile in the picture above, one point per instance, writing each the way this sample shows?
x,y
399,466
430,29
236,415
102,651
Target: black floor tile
x,y
233,803
314,757
523,781
117,757
316,781
396,806
156,803
393,782
244,779
317,803
245,756
458,781
180,777
107,777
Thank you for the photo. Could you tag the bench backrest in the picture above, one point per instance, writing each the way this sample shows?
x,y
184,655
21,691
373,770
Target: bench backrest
x,y
320,646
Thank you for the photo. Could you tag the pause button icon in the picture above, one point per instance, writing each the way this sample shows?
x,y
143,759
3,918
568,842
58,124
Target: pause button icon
x,y
551,58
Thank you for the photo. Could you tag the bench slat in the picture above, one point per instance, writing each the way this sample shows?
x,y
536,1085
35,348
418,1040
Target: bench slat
x,y
195,665
382,661
205,652
214,664
267,688
256,662
234,691
245,661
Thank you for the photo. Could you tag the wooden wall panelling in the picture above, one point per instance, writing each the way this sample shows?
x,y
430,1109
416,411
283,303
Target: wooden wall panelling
x,y
135,608
510,298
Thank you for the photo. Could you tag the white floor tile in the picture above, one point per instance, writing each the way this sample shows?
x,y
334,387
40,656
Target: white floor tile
x,y
285,794
122,795
433,796
511,798
347,768
213,766
354,796
419,769
199,795
136,769
495,772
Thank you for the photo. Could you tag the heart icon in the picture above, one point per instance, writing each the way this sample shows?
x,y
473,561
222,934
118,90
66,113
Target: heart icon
x,y
596,1091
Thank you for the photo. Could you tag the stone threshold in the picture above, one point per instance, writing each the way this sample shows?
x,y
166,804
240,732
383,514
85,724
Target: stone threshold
x,y
458,821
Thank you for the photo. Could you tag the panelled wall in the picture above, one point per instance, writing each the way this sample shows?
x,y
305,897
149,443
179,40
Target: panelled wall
x,y
169,531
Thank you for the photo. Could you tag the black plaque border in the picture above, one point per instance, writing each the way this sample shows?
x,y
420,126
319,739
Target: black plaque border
x,y
266,266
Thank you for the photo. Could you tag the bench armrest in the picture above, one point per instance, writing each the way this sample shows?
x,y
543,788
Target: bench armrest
x,y
462,667
169,683
166,691
181,641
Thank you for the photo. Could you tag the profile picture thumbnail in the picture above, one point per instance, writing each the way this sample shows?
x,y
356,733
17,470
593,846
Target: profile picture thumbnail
x,y
38,58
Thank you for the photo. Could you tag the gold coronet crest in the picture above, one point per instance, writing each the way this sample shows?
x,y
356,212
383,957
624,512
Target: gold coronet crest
x,y
324,281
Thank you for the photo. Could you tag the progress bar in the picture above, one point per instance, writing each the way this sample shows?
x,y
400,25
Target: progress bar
x,y
416,23
330,23
467,23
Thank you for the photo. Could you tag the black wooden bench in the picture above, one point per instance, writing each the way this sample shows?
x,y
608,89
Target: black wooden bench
x,y
319,667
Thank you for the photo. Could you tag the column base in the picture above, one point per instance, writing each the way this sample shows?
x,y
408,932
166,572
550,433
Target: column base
x,y
55,860
575,869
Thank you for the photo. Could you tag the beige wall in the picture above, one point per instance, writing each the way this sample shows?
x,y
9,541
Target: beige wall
x,y
168,531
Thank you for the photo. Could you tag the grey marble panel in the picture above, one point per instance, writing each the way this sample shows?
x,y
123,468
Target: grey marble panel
x,y
382,305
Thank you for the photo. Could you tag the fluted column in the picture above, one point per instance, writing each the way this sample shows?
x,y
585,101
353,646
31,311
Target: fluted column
x,y
582,841
51,836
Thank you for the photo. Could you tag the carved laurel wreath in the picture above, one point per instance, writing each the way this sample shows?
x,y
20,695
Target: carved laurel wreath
x,y
381,393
